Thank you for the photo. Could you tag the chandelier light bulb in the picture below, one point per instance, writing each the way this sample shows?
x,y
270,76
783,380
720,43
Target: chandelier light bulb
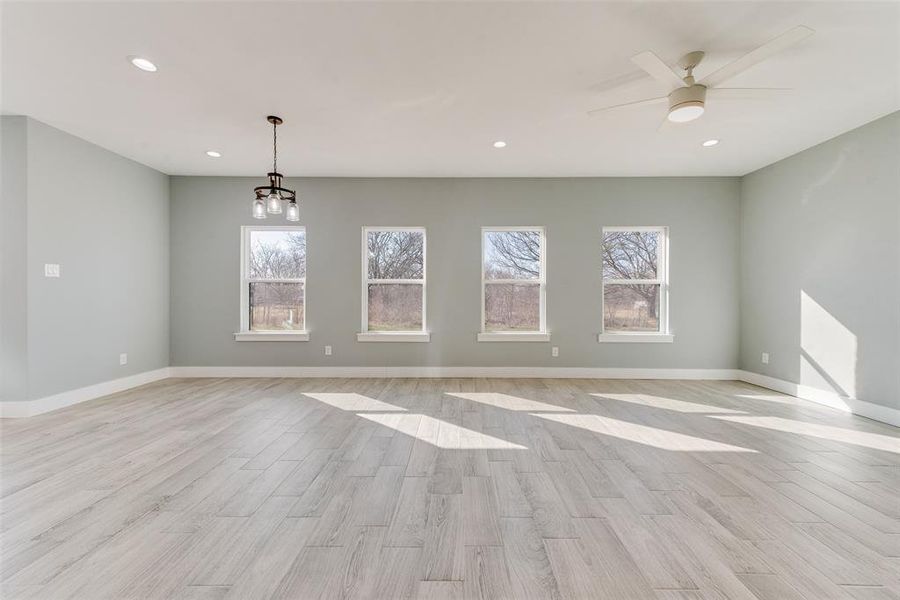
x,y
292,213
273,204
259,209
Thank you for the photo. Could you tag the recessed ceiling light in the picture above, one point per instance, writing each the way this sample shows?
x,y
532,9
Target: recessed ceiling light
x,y
143,64
500,144
709,143
213,154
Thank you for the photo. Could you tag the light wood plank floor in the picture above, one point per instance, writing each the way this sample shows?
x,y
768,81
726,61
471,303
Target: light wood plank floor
x,y
449,488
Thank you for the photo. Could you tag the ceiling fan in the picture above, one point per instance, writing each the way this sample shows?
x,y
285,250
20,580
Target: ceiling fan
x,y
687,100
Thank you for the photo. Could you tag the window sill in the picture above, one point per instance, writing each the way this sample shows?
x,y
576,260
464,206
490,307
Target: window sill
x,y
636,338
514,336
272,336
394,336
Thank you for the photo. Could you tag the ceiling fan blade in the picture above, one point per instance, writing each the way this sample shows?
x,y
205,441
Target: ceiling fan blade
x,y
657,69
747,93
782,42
646,102
666,125
626,80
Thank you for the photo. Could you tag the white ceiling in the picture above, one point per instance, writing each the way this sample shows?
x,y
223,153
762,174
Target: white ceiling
x,y
423,89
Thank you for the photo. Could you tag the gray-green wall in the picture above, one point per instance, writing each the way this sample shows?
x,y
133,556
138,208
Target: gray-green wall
x,y
702,214
13,286
800,259
820,265
105,220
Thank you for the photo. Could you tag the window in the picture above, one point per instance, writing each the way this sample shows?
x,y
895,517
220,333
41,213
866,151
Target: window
x,y
393,285
273,284
635,286
513,284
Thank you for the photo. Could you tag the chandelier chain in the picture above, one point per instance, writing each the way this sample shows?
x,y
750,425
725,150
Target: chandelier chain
x,y
275,147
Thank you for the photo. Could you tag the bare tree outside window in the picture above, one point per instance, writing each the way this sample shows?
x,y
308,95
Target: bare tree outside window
x,y
630,254
396,254
512,255
395,280
513,279
632,279
276,279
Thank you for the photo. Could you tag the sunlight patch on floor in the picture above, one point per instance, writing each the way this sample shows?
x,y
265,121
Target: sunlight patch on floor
x,y
444,434
875,441
643,434
507,402
669,403
353,402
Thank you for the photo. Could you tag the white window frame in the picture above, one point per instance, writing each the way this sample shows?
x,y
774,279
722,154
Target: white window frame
x,y
393,336
245,334
541,335
662,279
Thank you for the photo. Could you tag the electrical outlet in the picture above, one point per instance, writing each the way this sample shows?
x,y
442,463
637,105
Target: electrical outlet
x,y
51,270
327,350
554,351
123,359
765,358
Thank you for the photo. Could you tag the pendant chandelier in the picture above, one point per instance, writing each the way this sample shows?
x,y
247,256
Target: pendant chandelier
x,y
270,198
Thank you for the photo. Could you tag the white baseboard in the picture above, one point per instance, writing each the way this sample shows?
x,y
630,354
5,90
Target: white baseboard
x,y
517,372
30,408
877,412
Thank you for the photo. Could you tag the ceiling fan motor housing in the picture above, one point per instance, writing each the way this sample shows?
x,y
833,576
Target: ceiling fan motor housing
x,y
694,95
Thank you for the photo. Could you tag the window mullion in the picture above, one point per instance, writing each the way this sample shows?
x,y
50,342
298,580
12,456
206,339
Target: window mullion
x,y
633,281
294,280
395,281
513,281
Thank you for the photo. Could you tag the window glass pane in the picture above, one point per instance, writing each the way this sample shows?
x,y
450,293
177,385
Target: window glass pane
x,y
395,307
396,254
630,254
512,306
630,307
275,306
512,254
277,254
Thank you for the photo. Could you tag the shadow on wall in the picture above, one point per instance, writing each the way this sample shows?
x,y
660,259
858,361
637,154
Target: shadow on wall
x,y
826,177
827,350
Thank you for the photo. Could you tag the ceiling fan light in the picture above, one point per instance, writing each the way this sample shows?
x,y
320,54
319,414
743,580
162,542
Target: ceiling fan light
x,y
686,111
259,209
273,204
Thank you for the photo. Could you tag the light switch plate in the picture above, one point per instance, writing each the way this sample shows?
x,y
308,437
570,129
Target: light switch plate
x,y
51,270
